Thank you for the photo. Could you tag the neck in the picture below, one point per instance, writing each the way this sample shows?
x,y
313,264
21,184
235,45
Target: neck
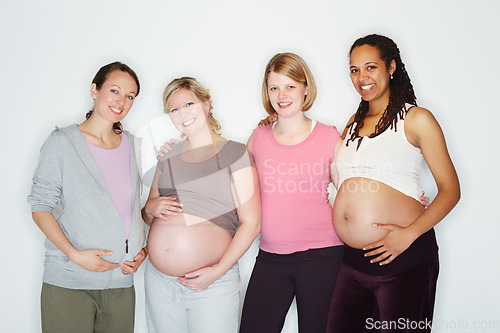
x,y
292,125
99,129
377,107
205,138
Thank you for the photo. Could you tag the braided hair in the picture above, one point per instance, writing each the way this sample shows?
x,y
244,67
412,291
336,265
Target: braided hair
x,y
401,89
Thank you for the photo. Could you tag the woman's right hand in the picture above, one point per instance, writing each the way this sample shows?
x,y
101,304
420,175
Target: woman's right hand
x,y
167,146
162,207
268,121
91,260
425,201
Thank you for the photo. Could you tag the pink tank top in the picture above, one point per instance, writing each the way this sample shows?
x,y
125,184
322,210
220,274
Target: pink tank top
x,y
296,213
114,165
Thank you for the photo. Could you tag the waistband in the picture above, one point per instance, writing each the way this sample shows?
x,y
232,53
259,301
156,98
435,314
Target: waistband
x,y
233,271
311,254
423,248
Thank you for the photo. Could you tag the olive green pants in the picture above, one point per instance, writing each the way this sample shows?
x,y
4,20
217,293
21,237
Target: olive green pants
x,y
87,311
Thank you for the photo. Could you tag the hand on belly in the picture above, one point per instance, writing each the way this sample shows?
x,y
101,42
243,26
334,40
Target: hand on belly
x,y
397,240
201,278
356,211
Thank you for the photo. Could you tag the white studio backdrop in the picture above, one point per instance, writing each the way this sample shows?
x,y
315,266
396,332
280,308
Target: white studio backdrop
x,y
50,51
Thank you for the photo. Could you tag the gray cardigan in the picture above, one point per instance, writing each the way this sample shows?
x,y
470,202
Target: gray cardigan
x,y
67,178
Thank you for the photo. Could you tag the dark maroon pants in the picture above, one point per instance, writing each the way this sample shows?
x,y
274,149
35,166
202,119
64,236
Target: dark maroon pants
x,y
400,302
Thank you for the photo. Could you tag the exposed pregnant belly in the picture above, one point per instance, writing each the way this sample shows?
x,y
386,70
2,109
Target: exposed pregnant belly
x,y
178,245
360,202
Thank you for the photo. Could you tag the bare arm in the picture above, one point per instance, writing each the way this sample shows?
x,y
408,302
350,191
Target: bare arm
x,y
89,259
158,206
424,132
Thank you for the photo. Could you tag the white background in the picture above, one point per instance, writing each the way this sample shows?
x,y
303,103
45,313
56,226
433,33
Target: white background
x,y
50,51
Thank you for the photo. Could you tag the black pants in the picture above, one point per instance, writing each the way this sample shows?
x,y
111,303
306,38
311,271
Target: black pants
x,y
276,279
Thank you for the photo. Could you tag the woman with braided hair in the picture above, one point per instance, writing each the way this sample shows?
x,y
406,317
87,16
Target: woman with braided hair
x,y
389,272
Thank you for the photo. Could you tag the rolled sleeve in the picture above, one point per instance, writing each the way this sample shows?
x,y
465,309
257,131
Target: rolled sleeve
x,y
47,181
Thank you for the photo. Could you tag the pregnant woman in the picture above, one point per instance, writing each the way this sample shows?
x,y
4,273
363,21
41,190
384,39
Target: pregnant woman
x,y
390,266
204,212
85,199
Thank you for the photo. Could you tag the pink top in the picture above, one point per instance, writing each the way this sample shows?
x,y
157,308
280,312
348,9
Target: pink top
x,y
296,213
114,165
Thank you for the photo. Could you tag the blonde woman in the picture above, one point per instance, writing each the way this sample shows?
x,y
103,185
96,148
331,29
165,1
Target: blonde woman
x,y
204,213
299,252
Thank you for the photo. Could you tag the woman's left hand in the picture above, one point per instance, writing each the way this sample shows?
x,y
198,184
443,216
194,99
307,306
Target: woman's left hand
x,y
397,240
200,279
131,266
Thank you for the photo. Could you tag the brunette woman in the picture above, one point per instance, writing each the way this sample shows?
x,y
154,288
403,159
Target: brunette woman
x,y
390,267
85,199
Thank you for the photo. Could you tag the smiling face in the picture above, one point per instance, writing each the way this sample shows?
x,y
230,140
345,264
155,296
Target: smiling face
x,y
286,95
115,97
369,74
188,114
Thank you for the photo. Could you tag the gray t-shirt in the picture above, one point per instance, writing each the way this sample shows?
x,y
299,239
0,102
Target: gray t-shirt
x,y
204,188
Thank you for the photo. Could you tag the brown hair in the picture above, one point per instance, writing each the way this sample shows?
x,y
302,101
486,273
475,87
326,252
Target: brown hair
x,y
102,76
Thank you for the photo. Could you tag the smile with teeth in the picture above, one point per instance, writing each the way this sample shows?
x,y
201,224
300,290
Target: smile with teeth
x,y
189,122
284,105
367,87
115,110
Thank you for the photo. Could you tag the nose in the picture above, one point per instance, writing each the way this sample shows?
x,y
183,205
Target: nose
x,y
282,94
362,74
120,99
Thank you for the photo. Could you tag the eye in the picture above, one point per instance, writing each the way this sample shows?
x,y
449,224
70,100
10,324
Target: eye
x,y
354,70
272,89
189,103
291,87
130,97
173,110
372,67
114,91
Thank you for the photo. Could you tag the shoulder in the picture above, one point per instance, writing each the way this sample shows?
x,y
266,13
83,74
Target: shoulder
x,y
260,130
175,149
329,130
236,148
420,124
236,154
417,116
58,137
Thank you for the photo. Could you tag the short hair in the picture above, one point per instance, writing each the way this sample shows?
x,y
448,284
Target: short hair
x,y
293,66
197,89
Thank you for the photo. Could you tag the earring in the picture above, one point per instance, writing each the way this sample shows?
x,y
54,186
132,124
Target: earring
x,y
392,76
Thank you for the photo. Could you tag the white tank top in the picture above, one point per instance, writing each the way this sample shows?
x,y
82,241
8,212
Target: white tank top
x,y
388,158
